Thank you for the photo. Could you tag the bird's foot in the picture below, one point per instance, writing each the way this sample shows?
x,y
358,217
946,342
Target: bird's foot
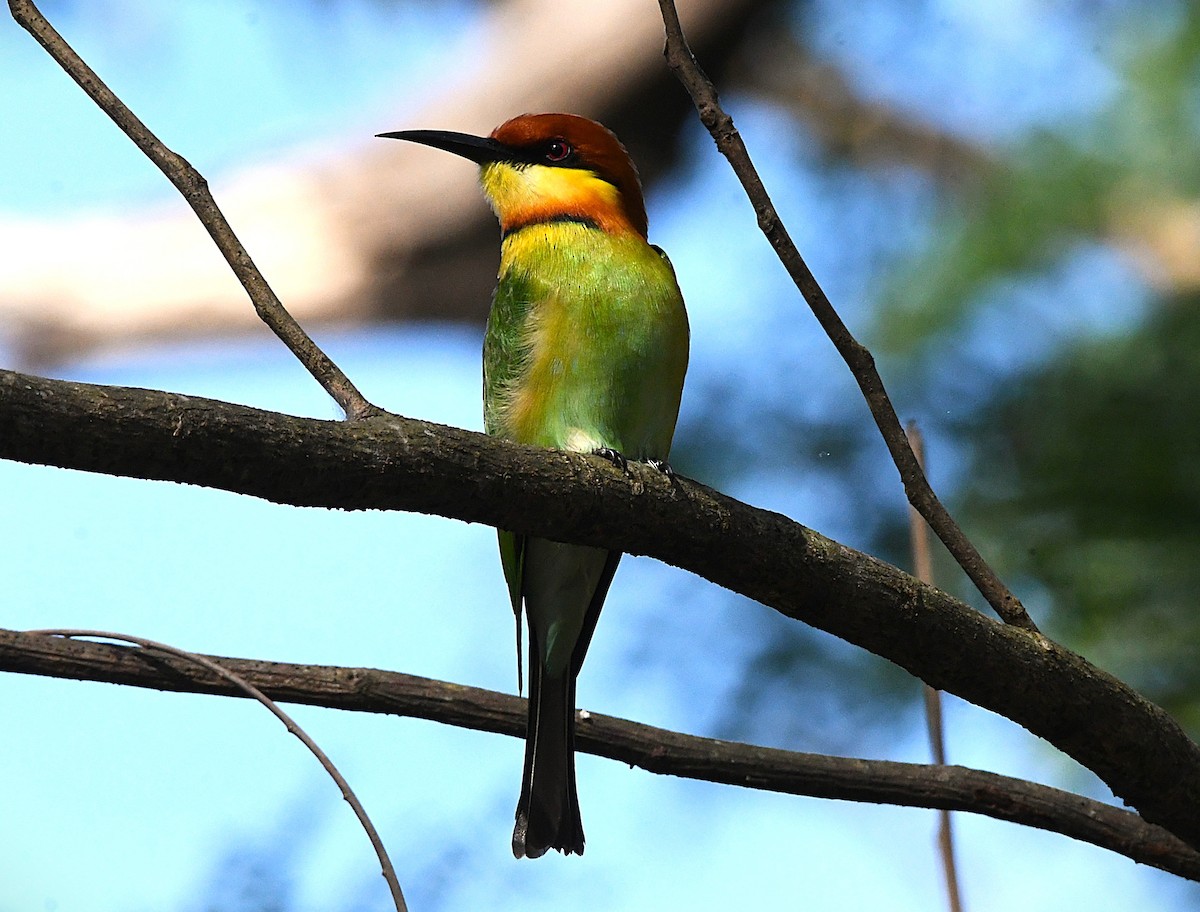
x,y
663,466
616,458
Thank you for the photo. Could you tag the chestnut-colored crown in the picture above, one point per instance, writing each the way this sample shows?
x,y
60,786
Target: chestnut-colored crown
x,y
593,147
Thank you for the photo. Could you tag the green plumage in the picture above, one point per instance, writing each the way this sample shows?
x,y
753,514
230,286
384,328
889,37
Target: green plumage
x,y
587,336
586,348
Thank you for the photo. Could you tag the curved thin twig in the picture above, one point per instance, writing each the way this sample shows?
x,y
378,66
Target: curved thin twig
x,y
654,749
860,361
245,687
194,188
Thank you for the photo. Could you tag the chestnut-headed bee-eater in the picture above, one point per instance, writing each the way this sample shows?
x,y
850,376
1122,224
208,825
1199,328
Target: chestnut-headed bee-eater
x,y
585,350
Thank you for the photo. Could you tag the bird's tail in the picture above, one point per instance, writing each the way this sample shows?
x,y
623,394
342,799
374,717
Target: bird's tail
x,y
548,811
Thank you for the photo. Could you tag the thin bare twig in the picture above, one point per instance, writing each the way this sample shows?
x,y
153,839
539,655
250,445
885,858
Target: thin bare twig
x,y
245,687
654,749
194,188
857,357
923,568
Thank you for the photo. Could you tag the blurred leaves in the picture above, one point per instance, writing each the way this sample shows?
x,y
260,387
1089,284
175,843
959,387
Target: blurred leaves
x,y
1093,486
812,692
1022,217
258,873
1043,195
1070,419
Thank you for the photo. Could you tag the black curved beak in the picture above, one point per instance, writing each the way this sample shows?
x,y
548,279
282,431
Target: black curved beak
x,y
480,149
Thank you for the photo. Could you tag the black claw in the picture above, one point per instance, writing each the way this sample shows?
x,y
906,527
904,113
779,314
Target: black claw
x,y
662,466
617,459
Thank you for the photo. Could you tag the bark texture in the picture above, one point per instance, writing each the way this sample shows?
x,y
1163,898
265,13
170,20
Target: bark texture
x,y
654,749
395,463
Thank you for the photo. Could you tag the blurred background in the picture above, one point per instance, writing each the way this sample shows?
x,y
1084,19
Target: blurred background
x,y
1001,198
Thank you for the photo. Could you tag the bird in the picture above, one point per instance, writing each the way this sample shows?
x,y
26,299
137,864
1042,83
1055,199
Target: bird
x,y
585,350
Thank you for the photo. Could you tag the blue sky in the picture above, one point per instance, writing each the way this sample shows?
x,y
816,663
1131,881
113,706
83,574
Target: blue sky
x,y
123,800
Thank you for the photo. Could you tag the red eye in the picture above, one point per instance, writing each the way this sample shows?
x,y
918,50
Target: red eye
x,y
558,150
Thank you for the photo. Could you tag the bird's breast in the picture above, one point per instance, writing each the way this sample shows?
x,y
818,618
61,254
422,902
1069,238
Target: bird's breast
x,y
596,342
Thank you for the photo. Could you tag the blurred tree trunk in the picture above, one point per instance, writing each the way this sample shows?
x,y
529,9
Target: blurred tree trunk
x,y
377,230
385,232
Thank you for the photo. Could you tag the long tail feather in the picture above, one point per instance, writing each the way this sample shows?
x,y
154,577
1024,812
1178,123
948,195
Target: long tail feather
x,y
548,810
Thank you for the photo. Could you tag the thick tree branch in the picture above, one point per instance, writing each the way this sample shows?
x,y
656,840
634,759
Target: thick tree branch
x,y
653,749
396,463
854,353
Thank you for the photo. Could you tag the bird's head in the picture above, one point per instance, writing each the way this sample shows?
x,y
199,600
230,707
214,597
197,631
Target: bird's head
x,y
540,167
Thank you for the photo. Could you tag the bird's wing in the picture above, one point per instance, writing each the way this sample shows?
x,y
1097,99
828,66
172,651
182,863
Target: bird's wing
x,y
503,362
512,558
505,350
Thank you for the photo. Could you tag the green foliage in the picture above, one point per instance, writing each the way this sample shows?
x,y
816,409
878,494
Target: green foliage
x,y
1085,481
1084,469
1022,217
1054,188
1093,468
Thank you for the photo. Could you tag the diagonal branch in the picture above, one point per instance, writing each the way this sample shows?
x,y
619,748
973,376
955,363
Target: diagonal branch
x,y
395,463
855,354
194,188
654,749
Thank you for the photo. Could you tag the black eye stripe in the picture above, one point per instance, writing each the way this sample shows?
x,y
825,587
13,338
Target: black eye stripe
x,y
556,152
